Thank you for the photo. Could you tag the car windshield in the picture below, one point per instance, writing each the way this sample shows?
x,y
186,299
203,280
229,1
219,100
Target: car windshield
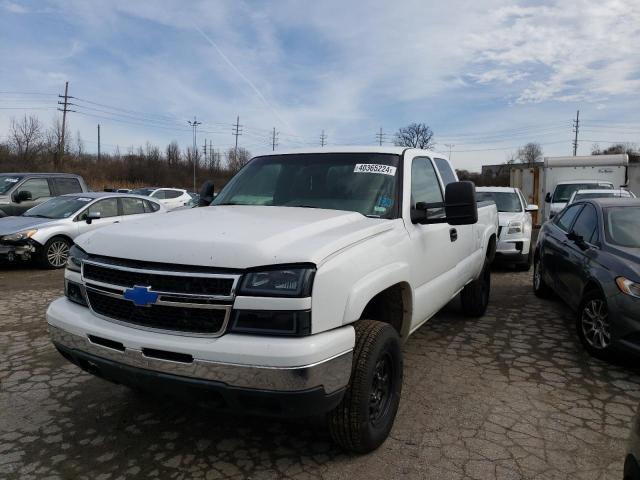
x,y
564,191
505,201
583,196
59,207
357,182
142,191
7,182
623,226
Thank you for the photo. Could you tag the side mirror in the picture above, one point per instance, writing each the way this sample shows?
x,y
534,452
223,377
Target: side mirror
x,y
547,197
460,206
577,239
90,217
532,208
22,196
206,194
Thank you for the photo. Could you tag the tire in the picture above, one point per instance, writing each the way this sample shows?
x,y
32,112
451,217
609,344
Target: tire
x,y
55,252
593,325
525,266
363,419
540,287
475,296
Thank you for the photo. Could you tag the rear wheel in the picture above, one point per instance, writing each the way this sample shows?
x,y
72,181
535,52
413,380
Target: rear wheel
x,y
363,420
593,325
475,296
55,253
540,287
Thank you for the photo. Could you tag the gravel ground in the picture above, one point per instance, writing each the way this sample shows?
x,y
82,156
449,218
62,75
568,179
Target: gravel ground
x,y
511,395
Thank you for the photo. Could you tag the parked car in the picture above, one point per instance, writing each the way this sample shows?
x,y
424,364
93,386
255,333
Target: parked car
x,y
590,256
599,193
516,225
171,198
563,191
291,295
123,190
46,231
21,191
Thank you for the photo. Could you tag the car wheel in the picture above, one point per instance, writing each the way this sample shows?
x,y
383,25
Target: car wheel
x,y
475,296
540,287
525,266
593,325
55,253
364,417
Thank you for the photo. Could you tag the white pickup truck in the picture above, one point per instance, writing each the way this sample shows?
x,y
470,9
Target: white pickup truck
x,y
291,294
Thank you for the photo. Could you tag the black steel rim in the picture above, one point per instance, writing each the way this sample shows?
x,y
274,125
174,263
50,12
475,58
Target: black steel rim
x,y
381,389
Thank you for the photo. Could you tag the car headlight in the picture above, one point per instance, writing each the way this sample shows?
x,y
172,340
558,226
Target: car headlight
x,y
288,282
75,258
515,227
628,287
19,236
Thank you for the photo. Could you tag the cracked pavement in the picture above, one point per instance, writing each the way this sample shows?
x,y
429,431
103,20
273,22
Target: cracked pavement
x,y
511,395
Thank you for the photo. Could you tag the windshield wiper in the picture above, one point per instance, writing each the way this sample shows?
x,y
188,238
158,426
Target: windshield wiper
x,y
37,216
227,203
304,206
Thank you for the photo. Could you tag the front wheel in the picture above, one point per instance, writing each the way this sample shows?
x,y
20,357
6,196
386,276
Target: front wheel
x,y
475,296
593,325
364,417
540,287
55,253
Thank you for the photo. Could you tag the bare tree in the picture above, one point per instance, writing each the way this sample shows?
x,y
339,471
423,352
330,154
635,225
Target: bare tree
x,y
416,135
530,153
236,161
628,148
26,138
79,145
173,153
53,139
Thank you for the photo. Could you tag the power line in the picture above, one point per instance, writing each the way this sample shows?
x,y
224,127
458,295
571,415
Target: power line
x,y
274,140
194,126
380,136
576,126
323,139
64,110
237,131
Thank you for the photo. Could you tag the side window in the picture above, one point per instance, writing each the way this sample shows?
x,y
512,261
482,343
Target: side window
x,y
587,224
172,193
67,185
106,208
132,206
425,186
446,173
565,220
160,194
151,207
37,187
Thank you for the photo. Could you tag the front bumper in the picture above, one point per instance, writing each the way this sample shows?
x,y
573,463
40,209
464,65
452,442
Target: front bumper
x,y
624,312
512,247
11,252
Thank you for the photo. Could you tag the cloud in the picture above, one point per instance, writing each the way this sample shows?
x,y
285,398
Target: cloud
x,y
14,7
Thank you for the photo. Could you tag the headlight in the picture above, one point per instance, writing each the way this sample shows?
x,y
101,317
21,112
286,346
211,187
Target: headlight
x,y
515,227
290,282
17,237
628,287
76,256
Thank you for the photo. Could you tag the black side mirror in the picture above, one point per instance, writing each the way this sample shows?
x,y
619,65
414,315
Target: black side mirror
x,y
460,206
22,196
577,239
206,194
547,197
90,217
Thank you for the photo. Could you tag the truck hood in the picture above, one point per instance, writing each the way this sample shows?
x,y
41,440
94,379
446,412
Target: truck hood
x,y
235,236
10,225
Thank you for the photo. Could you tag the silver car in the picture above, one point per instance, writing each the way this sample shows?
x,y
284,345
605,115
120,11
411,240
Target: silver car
x,y
46,232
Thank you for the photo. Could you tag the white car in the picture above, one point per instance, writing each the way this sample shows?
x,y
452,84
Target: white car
x,y
47,231
292,293
606,193
171,198
563,191
514,232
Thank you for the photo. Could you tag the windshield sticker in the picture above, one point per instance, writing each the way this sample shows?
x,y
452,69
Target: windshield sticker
x,y
385,202
375,168
379,209
84,199
11,180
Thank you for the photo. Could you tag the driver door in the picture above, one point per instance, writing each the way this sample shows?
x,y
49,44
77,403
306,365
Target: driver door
x,y
109,214
38,188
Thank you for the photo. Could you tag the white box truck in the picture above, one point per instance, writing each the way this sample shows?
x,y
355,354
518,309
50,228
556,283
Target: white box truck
x,y
564,175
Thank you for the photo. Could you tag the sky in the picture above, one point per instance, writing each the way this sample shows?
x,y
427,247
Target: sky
x,y
487,76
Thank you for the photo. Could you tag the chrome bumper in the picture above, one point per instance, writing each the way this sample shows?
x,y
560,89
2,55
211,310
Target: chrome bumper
x,y
332,374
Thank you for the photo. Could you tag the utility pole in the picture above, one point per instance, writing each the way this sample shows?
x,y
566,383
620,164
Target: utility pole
x,y
194,126
204,151
211,154
98,142
380,136
323,139
450,145
576,126
274,139
65,108
237,132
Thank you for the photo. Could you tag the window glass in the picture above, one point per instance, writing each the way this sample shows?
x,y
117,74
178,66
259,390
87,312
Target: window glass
x,y
106,208
67,185
564,191
446,173
564,220
160,194
172,193
425,187
145,192
58,207
623,226
505,201
150,207
132,206
586,223
7,182
38,187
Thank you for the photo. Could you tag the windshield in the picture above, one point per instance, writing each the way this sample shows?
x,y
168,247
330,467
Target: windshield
x,y
505,201
59,207
583,196
623,226
563,192
142,191
357,182
7,182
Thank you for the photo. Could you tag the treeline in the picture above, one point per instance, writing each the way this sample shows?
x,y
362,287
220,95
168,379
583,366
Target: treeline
x,y
30,146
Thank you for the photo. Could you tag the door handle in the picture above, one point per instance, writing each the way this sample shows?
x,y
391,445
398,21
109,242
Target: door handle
x,y
453,234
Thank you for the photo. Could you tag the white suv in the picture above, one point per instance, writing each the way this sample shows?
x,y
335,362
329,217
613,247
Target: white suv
x,y
171,198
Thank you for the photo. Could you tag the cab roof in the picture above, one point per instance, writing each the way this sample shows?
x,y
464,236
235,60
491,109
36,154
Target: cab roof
x,y
355,149
497,189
